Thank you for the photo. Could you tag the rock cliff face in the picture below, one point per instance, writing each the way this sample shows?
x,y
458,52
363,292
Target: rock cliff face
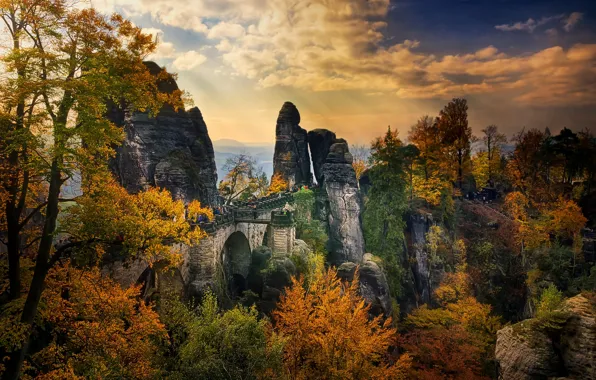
x,y
346,241
528,350
417,227
320,141
291,158
172,150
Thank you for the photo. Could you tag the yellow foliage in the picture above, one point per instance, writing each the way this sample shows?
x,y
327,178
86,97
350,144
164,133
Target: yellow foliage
x,y
480,169
278,184
516,204
145,224
359,166
195,209
329,334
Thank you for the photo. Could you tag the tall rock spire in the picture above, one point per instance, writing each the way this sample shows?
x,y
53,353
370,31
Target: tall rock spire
x,y
291,159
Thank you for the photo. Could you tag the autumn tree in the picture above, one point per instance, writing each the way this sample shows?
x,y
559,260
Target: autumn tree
x,y
243,180
456,135
455,340
481,169
493,143
528,168
360,159
94,329
329,335
62,67
429,171
278,184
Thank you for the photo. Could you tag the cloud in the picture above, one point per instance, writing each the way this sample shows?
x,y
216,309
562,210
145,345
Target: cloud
x,y
224,46
572,20
188,61
164,49
552,32
334,45
528,26
226,30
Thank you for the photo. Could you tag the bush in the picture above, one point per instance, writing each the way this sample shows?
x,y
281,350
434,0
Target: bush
x,y
212,344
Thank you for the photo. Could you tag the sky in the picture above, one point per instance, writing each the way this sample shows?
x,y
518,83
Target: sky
x,y
358,66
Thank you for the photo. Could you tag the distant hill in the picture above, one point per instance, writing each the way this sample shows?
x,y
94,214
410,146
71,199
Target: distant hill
x,y
226,148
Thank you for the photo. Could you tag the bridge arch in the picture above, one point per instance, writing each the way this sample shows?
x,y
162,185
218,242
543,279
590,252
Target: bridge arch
x,y
236,259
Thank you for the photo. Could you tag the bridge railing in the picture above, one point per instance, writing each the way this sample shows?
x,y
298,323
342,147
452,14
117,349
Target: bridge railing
x,y
244,211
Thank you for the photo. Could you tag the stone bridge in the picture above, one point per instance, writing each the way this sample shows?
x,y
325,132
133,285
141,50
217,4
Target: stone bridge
x,y
225,254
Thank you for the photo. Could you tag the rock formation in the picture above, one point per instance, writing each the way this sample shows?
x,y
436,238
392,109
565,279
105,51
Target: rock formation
x,y
373,284
291,158
320,141
532,350
172,150
346,241
417,228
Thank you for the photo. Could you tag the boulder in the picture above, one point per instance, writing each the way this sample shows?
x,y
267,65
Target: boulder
x,y
530,350
373,285
291,159
171,150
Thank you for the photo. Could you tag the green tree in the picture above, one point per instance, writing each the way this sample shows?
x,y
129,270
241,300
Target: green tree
x,y
385,206
212,344
309,229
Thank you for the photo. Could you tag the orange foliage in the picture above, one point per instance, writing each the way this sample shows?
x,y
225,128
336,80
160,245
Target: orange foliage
x,y
444,353
452,341
278,184
329,334
98,329
566,220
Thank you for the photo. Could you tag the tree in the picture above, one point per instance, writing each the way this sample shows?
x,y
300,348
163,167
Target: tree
x,y
481,169
329,334
456,135
528,169
360,158
386,203
429,177
493,142
278,184
243,180
453,341
309,229
95,329
210,343
62,67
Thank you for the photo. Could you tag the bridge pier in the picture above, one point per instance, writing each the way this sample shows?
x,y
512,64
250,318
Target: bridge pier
x,y
281,233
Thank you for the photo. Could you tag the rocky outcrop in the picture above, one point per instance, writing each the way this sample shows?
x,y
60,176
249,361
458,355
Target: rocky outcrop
x,y
172,150
373,284
291,159
417,228
534,350
320,141
346,241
